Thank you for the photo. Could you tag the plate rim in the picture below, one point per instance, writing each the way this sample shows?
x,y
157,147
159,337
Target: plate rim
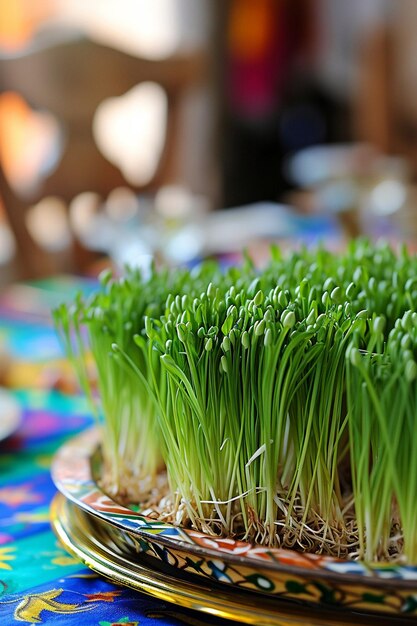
x,y
71,477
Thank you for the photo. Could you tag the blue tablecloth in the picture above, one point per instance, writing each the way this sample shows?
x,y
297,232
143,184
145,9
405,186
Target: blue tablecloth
x,y
39,582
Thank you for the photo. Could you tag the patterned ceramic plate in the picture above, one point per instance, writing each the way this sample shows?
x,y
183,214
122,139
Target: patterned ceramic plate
x,y
10,414
284,573
86,537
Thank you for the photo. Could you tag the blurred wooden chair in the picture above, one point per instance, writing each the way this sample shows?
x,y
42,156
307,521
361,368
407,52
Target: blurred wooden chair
x,y
70,78
385,103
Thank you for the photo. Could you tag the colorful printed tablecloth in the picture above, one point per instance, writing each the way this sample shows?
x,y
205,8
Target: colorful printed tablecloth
x,y
39,582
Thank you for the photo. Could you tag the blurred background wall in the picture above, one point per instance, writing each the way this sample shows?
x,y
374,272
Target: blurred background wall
x,y
123,122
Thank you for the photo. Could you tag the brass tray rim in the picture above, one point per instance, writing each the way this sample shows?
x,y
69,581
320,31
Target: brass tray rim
x,y
225,603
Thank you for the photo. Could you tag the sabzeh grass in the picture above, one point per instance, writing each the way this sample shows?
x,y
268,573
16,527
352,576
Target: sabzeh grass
x,y
275,405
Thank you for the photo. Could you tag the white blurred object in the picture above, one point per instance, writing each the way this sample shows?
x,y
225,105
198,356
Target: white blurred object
x,y
122,204
155,29
185,245
48,224
337,196
232,229
313,166
132,251
175,202
130,131
387,197
82,214
135,26
180,221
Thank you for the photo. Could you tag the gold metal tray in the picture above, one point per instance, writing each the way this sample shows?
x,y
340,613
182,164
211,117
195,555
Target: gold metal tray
x,y
86,538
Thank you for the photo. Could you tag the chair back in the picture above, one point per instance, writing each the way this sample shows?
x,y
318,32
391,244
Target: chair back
x,y
69,78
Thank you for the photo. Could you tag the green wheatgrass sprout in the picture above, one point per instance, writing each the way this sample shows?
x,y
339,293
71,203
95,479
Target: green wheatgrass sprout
x,y
214,357
382,387
282,402
126,409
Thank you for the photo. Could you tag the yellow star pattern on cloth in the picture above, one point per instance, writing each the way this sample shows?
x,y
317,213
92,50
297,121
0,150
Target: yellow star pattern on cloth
x,y
30,608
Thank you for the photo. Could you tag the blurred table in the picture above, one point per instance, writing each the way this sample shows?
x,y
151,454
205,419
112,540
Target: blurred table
x,y
39,582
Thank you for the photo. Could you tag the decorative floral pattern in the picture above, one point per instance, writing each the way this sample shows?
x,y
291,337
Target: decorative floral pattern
x,y
283,573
